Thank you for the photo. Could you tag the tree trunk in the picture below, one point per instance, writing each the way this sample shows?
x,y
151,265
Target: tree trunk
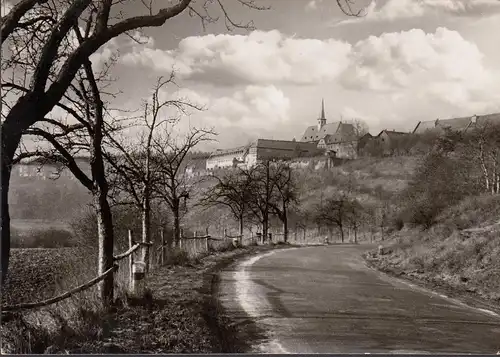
x,y
285,224
265,230
341,233
105,246
10,138
146,232
241,229
177,224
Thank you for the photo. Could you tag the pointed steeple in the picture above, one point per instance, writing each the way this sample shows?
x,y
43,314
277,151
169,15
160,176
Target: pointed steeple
x,y
322,118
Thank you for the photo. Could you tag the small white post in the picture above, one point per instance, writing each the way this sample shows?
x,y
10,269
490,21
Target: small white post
x,y
206,244
138,283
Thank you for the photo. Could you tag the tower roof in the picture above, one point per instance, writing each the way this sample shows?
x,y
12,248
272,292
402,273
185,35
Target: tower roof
x,y
322,109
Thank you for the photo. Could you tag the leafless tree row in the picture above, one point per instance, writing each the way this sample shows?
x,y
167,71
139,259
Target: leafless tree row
x,y
254,194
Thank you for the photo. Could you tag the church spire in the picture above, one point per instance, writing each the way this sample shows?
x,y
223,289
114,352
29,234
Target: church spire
x,y
322,118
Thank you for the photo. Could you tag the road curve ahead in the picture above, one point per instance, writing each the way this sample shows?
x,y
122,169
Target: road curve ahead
x,y
325,300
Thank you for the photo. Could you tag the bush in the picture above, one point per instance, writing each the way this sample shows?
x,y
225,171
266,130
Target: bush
x,y
177,256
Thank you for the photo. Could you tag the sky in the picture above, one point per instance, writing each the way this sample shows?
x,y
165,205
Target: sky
x,y
401,62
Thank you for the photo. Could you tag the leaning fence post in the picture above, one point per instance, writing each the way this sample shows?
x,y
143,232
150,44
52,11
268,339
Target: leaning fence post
x,y
130,258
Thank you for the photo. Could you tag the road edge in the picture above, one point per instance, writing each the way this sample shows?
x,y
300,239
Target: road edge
x,y
232,336
447,292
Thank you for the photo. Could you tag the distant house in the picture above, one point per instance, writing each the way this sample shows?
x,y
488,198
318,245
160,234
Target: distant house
x,y
342,144
394,142
456,124
363,142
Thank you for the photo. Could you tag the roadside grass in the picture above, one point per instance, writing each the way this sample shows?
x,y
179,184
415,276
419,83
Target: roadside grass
x,y
460,252
171,322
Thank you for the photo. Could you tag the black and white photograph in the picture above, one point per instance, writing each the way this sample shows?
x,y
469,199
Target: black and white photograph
x,y
250,177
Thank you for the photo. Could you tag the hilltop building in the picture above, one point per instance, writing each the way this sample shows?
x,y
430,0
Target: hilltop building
x,y
261,149
337,138
456,124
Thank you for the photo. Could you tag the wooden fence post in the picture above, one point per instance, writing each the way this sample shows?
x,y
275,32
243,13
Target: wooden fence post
x,y
162,235
130,259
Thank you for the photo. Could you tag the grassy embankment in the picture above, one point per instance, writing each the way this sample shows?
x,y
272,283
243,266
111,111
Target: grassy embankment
x,y
458,255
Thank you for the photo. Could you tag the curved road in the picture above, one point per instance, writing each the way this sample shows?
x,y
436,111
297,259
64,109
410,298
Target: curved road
x,y
326,300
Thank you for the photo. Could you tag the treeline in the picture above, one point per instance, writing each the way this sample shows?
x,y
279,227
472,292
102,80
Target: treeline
x,y
274,197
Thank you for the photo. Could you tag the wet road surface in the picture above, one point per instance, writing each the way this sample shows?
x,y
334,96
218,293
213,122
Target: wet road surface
x,y
326,300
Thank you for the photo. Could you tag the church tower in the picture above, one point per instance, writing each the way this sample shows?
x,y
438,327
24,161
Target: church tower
x,y
322,119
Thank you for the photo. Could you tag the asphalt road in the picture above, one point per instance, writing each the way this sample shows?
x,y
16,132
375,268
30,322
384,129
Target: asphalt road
x,y
326,300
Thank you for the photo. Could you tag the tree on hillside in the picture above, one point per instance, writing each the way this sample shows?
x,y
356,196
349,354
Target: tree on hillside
x,y
484,142
232,190
41,67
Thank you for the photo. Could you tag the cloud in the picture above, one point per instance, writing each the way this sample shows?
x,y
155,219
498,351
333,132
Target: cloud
x,y
405,9
443,64
258,58
253,111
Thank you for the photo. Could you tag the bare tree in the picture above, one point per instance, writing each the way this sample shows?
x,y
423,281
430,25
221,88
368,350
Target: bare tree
x,y
135,170
232,190
484,141
170,151
68,141
285,193
262,185
334,213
